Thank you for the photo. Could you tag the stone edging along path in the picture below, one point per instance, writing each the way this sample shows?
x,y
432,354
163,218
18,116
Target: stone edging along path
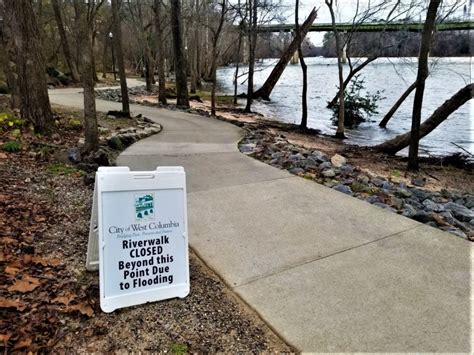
x,y
449,211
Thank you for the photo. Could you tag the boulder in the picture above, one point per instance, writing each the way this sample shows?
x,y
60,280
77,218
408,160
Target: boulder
x,y
329,173
419,181
460,212
74,155
343,188
404,193
431,206
325,166
338,160
397,202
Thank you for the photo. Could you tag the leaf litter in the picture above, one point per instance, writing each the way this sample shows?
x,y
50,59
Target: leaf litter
x,y
49,302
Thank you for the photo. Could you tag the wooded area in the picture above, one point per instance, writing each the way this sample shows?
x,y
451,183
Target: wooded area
x,y
190,39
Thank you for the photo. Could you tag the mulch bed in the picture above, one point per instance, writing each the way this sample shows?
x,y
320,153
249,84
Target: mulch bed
x,y
49,302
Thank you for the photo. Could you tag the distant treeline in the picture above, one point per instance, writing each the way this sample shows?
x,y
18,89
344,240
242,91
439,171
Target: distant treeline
x,y
399,44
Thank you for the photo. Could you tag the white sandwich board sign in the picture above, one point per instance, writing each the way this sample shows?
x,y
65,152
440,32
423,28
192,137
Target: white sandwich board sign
x,y
138,236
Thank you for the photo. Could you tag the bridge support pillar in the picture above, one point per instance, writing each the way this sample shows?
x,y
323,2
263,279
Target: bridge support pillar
x,y
295,57
344,55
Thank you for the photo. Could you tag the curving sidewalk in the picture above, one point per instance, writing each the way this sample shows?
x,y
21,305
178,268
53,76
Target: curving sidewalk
x,y
328,272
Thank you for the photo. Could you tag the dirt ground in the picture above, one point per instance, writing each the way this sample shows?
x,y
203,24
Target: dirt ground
x,y
50,303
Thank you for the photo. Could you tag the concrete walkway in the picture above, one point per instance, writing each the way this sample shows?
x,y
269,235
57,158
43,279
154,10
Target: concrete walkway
x,y
328,272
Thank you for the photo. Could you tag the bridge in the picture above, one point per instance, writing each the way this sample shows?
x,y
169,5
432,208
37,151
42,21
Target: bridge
x,y
373,27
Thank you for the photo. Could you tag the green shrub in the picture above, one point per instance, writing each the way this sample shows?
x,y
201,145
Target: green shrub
x,y
10,122
358,108
11,146
75,123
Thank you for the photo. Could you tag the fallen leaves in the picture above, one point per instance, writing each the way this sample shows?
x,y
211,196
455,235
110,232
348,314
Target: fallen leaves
x,y
11,270
22,344
7,303
83,308
65,299
26,284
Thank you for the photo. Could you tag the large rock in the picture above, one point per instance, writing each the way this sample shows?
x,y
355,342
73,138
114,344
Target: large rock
x,y
344,189
431,206
329,173
325,166
461,212
338,161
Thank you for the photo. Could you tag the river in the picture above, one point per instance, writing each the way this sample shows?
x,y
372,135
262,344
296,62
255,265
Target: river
x,y
390,75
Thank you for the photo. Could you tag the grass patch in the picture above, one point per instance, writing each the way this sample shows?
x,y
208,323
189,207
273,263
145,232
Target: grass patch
x,y
396,173
62,169
221,99
178,349
11,146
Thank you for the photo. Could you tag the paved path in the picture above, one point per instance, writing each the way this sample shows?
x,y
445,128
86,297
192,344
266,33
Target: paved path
x,y
328,272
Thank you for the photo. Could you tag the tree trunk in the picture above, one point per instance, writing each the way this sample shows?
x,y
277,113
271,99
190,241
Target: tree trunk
x,y
193,48
339,51
237,62
252,44
215,54
402,141
7,61
179,55
94,68
87,76
149,68
64,42
420,83
352,73
117,43
104,55
161,54
304,68
265,91
33,90
397,105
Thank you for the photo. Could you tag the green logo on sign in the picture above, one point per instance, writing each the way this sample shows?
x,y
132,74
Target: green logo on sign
x,y
144,207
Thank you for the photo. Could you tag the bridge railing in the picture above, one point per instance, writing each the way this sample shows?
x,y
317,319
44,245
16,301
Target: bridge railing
x,y
373,27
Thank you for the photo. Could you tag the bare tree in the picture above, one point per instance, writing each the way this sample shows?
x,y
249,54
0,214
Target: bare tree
x,y
117,43
442,113
160,57
85,14
265,91
30,64
420,82
397,105
304,69
359,18
179,55
339,52
64,41
252,43
7,61
215,53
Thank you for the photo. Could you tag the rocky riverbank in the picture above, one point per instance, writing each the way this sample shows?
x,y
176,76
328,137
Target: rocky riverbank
x,y
447,210
116,95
